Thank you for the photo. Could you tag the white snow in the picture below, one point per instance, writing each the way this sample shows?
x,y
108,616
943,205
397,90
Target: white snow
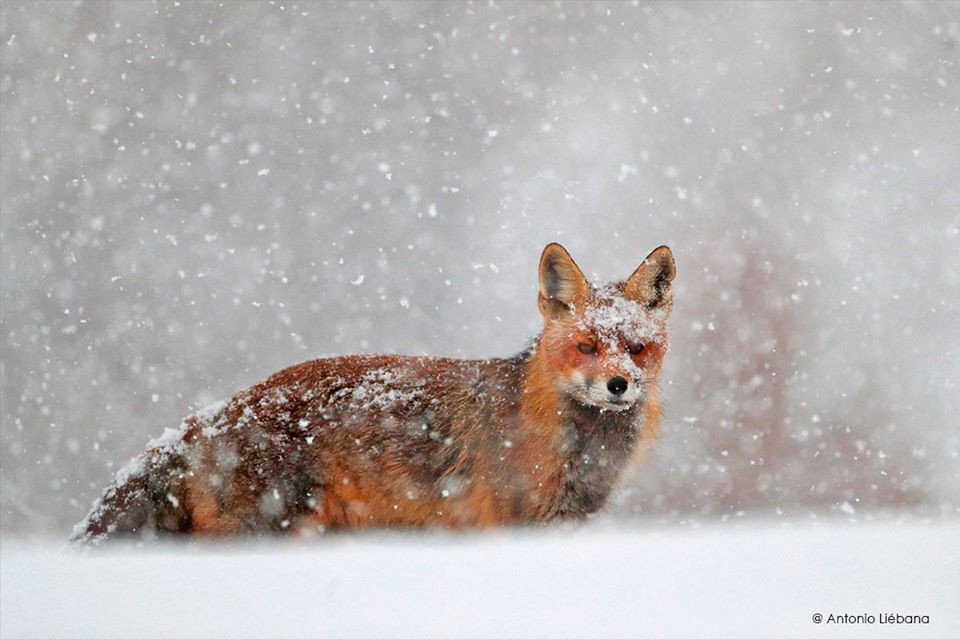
x,y
195,197
751,579
383,388
616,315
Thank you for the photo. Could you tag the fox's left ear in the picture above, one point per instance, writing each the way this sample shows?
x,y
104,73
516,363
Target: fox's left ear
x,y
650,283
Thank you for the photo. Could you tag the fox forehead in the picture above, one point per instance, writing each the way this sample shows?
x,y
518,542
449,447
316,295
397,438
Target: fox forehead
x,y
610,316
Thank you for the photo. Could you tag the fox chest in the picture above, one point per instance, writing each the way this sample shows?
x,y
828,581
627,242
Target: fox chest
x,y
594,457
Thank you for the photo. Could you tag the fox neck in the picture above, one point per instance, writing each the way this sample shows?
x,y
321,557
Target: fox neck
x,y
590,446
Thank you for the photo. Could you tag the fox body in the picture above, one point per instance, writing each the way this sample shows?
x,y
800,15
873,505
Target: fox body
x,y
377,441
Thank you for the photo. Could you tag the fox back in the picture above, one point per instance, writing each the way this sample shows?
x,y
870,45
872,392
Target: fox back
x,y
380,441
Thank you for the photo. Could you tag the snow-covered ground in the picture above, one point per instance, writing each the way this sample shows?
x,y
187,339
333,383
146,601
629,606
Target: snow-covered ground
x,y
195,195
733,580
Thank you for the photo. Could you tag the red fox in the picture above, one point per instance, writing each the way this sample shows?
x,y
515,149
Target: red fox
x,y
400,441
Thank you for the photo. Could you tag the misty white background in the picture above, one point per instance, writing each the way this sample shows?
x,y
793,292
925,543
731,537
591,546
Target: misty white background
x,y
195,195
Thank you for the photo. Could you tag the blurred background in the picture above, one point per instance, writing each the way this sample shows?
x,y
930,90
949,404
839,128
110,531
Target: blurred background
x,y
195,195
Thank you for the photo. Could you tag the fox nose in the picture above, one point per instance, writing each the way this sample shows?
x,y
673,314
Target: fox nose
x,y
617,385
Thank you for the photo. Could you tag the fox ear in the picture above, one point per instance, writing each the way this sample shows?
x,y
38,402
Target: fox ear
x,y
650,283
562,284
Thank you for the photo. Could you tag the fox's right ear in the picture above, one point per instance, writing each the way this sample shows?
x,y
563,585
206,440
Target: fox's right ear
x,y
562,285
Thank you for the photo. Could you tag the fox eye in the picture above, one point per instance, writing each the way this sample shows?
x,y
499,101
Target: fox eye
x,y
634,349
588,348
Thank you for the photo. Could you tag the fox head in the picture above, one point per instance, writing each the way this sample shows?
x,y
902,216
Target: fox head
x,y
605,343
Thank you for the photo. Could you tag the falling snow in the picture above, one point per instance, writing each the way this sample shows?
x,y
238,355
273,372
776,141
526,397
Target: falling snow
x,y
197,195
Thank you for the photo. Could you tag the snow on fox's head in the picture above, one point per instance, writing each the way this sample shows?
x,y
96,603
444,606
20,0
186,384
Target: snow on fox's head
x,y
606,341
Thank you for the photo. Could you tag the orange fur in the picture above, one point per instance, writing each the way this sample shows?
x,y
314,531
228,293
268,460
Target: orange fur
x,y
384,441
